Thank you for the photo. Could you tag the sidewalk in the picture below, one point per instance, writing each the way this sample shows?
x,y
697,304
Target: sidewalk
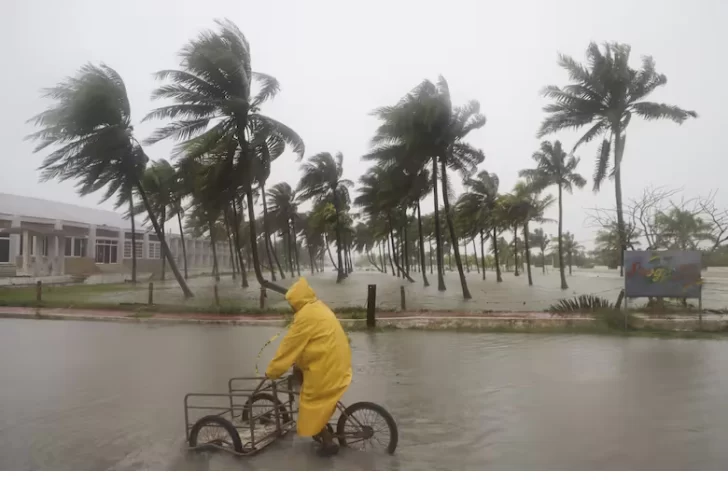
x,y
401,320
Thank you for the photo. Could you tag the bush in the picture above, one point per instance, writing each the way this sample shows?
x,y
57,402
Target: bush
x,y
580,304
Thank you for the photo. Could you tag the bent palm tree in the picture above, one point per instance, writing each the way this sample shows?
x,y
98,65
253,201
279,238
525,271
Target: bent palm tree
x,y
90,126
214,105
555,167
322,180
605,94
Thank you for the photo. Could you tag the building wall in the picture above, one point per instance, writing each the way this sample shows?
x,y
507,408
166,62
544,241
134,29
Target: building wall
x,y
81,266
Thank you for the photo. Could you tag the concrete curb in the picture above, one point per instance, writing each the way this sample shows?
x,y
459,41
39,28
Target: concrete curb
x,y
516,321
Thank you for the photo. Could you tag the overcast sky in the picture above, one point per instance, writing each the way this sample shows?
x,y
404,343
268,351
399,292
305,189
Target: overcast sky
x,y
338,60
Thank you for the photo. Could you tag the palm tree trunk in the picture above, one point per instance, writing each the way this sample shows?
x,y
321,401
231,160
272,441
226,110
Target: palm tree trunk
x,y
213,244
164,264
166,253
239,221
311,258
406,245
182,240
290,250
515,250
396,256
543,261
438,237
429,242
340,270
328,250
266,237
133,239
372,261
389,254
230,243
274,250
482,252
564,286
453,236
498,277
422,246
618,150
254,247
475,255
528,253
467,263
295,246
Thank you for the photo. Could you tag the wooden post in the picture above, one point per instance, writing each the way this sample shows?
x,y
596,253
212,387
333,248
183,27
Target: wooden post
x,y
402,301
39,291
262,298
371,305
150,299
217,296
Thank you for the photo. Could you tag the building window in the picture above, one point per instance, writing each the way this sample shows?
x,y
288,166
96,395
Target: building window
x,y
76,247
106,251
4,249
155,250
139,249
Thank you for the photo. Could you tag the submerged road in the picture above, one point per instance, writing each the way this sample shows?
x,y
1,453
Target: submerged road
x,y
96,395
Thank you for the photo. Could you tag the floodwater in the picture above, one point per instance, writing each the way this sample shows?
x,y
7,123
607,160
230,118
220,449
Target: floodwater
x,y
513,294
95,395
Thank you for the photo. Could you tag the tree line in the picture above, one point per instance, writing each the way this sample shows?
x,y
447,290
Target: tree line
x,y
226,146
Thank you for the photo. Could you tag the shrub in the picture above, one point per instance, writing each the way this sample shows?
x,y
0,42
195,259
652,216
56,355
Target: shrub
x,y
580,304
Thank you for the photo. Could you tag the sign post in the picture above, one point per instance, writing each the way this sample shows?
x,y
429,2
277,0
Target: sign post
x,y
663,274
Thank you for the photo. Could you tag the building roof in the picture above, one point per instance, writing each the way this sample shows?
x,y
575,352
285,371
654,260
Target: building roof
x,y
18,205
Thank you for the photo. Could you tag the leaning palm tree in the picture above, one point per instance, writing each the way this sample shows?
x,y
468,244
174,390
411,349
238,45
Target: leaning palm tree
x,y
284,211
478,205
90,127
604,95
214,104
322,180
527,207
555,167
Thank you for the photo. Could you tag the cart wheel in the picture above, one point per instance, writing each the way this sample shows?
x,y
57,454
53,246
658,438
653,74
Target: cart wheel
x,y
317,438
265,409
365,425
215,431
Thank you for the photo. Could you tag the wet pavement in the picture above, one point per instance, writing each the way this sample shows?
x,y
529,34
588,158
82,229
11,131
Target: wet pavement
x,y
96,395
513,294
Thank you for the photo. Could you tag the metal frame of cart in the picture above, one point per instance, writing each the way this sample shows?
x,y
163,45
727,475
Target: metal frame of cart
x,y
255,412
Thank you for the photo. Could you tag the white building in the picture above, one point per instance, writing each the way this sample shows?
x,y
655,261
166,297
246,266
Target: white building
x,y
45,238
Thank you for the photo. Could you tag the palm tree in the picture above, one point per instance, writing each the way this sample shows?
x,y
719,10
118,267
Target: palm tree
x,y
571,247
525,207
542,241
214,106
681,229
425,127
159,183
605,94
322,180
90,126
284,211
477,206
555,167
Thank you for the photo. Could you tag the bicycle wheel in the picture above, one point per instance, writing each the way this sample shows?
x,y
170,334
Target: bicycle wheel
x,y
365,425
264,409
217,432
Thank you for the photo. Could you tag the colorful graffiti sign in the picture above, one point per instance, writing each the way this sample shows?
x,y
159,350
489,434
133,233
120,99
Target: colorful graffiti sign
x,y
662,274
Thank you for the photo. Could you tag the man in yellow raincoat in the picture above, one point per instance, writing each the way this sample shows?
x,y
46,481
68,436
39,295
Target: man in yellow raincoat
x,y
318,345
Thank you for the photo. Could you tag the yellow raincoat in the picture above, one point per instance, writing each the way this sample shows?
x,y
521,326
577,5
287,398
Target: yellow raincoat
x,y
317,343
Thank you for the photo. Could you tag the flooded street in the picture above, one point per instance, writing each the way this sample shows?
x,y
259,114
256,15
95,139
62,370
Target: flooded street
x,y
85,395
513,294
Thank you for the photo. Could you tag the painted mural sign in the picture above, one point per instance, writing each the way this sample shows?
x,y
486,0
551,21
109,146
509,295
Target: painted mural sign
x,y
662,274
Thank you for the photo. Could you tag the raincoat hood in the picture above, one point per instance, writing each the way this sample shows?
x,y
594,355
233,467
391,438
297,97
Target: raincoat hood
x,y
300,294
